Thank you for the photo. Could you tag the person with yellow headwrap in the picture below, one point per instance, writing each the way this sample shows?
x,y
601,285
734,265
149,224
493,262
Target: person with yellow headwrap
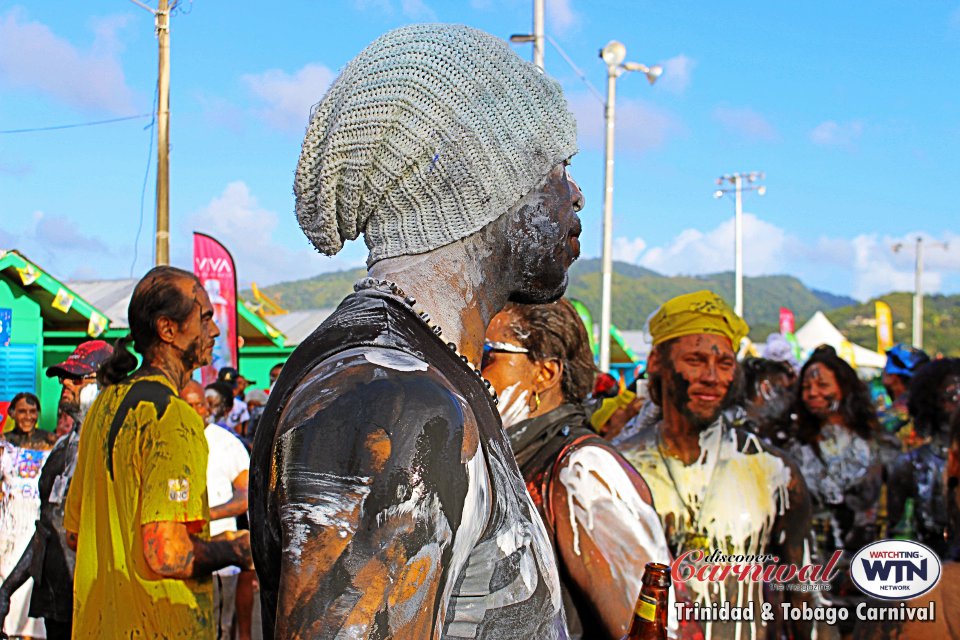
x,y
716,487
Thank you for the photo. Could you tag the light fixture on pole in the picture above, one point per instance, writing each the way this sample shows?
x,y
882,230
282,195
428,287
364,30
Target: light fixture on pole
x,y
537,36
918,287
613,55
737,180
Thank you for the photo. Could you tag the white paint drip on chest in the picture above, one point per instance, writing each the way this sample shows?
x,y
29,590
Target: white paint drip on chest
x,y
735,494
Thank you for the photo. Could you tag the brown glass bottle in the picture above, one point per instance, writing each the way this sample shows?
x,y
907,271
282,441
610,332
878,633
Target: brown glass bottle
x,y
650,612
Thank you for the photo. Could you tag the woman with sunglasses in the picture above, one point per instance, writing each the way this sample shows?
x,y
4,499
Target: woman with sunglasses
x,y
596,507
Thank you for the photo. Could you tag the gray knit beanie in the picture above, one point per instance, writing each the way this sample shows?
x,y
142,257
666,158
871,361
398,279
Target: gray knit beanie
x,y
429,134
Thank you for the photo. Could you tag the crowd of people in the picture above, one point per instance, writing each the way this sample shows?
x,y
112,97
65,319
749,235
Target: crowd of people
x,y
441,457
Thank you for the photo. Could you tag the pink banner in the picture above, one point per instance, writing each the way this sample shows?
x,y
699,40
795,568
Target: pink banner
x,y
787,322
213,265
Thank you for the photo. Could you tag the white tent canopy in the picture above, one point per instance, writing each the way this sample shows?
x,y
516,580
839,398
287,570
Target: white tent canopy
x,y
819,330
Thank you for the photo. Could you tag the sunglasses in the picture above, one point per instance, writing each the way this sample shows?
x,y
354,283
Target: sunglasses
x,y
489,348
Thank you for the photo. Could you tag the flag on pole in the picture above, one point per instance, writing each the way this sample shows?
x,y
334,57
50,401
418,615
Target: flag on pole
x,y
884,327
787,321
214,266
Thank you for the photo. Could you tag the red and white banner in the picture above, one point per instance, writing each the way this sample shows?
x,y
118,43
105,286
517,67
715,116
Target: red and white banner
x,y
213,265
787,321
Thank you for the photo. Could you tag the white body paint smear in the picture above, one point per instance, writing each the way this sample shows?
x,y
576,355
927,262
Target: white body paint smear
x,y
396,360
603,500
735,498
514,405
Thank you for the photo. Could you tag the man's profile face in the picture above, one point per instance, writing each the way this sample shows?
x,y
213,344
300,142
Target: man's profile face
x,y
544,238
196,335
698,376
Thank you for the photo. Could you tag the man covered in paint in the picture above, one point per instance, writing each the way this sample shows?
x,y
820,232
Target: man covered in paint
x,y
136,511
385,500
715,487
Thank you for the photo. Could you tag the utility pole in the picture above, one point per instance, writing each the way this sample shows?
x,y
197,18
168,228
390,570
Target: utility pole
x,y
917,338
163,134
535,38
736,179
161,17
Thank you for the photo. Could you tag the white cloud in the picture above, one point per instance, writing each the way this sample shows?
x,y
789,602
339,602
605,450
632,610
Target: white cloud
x,y
627,250
288,98
641,126
834,134
954,19
60,232
411,9
561,15
33,57
417,10
677,73
746,122
867,261
236,219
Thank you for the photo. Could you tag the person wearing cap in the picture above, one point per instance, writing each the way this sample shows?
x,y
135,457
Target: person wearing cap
x,y
47,560
903,361
716,487
238,414
393,506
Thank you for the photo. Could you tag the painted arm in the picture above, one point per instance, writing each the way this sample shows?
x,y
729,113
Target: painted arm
x,y
606,532
370,500
237,505
900,486
172,551
791,536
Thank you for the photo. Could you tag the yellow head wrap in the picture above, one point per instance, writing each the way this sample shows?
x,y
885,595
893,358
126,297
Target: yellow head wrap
x,y
693,313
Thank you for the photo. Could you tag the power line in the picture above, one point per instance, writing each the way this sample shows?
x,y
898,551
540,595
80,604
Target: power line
x,y
143,189
79,124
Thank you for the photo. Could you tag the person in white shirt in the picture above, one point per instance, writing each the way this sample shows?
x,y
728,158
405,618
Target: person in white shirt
x,y
227,476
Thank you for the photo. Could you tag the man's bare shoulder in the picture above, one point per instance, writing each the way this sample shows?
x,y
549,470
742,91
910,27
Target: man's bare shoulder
x,y
374,393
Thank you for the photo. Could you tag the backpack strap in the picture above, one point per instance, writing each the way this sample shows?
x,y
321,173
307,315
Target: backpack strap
x,y
150,391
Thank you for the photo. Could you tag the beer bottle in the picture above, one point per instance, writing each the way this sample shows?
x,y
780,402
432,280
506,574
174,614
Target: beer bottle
x,y
650,612
904,529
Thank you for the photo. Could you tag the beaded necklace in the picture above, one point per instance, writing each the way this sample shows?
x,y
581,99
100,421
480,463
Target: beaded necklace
x,y
391,288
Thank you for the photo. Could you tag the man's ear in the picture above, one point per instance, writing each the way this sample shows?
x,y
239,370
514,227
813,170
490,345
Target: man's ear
x,y
167,329
549,375
653,361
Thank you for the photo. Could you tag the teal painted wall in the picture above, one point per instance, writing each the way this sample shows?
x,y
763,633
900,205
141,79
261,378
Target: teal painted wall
x,y
26,328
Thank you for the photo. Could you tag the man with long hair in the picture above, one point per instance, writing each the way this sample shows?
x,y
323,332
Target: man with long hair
x,y
137,507
716,487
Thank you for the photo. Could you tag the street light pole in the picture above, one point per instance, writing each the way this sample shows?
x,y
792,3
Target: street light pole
x,y
538,32
738,248
917,338
736,179
613,55
918,296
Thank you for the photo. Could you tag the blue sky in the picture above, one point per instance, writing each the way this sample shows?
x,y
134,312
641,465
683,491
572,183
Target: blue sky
x,y
851,109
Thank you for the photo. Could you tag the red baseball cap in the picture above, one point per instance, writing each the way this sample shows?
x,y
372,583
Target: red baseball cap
x,y
84,361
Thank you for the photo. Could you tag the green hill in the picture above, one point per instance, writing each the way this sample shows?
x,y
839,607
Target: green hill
x,y
941,327
637,293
